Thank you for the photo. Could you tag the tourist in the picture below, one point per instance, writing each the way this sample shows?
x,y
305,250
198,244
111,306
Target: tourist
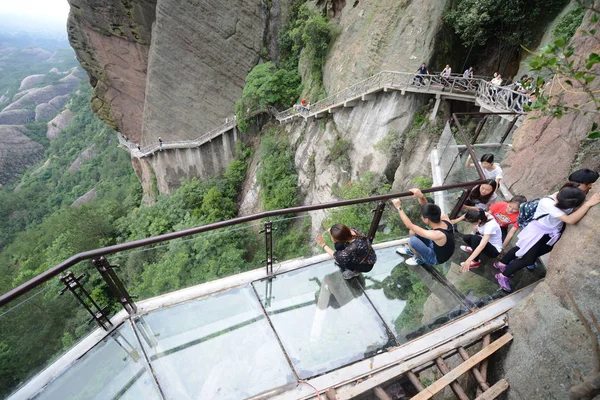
x,y
491,170
497,80
468,74
507,214
353,252
422,70
482,196
427,246
585,178
446,72
542,233
160,143
487,239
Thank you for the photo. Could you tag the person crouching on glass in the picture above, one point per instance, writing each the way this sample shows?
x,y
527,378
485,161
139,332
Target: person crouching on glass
x,y
353,252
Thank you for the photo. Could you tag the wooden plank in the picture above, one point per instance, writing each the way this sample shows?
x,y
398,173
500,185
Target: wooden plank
x,y
331,395
381,394
475,371
483,366
455,386
393,372
444,381
414,380
495,391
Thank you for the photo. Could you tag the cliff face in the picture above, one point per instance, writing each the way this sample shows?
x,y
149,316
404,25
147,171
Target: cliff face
x,y
550,342
381,35
111,40
17,152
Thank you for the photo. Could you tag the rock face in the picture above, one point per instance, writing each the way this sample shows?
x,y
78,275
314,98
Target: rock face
x,y
45,111
17,152
87,154
16,117
31,81
60,122
382,35
550,342
111,41
86,198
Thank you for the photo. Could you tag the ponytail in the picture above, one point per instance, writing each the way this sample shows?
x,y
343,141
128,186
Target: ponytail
x,y
476,216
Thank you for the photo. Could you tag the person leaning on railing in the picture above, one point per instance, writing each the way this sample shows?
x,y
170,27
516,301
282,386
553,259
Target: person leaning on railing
x,y
353,252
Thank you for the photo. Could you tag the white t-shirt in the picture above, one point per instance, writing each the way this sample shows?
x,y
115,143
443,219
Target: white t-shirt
x,y
494,174
493,229
547,206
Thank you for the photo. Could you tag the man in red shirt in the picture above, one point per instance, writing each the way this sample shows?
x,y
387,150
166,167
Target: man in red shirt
x,y
506,214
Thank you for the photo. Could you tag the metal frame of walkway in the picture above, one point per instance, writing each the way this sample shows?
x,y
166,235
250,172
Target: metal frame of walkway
x,y
476,90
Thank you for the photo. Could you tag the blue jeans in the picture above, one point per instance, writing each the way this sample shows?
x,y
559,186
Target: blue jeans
x,y
424,247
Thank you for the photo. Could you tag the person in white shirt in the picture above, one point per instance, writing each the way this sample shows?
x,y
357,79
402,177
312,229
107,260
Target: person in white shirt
x,y
446,72
491,170
568,206
497,80
487,239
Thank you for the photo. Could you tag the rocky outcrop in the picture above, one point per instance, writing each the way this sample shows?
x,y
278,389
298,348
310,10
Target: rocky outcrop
x,y
60,122
382,35
111,40
36,54
87,154
45,111
31,81
86,198
550,342
34,97
16,117
17,152
143,170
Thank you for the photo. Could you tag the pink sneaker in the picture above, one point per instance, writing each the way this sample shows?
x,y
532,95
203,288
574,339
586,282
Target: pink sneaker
x,y
466,249
504,282
499,266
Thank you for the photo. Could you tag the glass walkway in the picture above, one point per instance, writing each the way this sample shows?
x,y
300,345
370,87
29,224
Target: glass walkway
x,y
267,335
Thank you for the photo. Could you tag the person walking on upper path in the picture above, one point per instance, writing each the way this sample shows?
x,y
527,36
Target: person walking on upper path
x,y
568,206
429,247
160,143
422,70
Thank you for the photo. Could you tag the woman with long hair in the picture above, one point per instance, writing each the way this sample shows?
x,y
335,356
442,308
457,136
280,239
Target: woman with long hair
x,y
567,206
353,252
491,170
482,196
486,238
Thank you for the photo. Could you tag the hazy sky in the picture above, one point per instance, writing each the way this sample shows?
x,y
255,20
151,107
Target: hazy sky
x,y
53,11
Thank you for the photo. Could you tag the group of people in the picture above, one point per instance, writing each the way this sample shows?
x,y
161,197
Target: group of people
x,y
494,224
446,74
303,107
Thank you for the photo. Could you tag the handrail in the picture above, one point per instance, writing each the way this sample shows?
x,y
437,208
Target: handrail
x,y
86,255
501,97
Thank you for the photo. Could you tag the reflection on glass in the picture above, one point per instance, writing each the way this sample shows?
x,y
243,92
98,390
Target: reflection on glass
x,y
215,347
113,369
409,298
323,321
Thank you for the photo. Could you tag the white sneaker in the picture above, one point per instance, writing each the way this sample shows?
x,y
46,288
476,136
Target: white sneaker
x,y
411,261
405,250
466,248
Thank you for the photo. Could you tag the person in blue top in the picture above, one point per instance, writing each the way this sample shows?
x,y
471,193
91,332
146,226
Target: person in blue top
x,y
422,70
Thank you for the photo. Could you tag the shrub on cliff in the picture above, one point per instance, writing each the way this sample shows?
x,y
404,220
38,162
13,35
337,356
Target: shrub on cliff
x,y
267,85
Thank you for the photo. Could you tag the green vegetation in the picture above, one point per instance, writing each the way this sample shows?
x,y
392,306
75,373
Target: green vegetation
x,y
339,151
478,21
391,143
568,24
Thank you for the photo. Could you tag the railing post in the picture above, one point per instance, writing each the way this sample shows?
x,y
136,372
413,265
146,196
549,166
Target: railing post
x,y
115,284
377,214
510,126
73,285
268,231
479,129
459,205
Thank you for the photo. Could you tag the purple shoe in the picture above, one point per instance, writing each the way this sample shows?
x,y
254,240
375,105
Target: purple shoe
x,y
500,267
504,282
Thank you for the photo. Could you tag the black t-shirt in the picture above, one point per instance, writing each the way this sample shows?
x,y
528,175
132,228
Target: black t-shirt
x,y
350,255
422,70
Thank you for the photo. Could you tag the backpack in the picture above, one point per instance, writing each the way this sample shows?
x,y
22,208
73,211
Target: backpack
x,y
527,211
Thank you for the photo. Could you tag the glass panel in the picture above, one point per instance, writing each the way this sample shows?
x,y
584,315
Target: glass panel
x,y
409,298
40,326
151,271
215,347
114,369
291,238
323,321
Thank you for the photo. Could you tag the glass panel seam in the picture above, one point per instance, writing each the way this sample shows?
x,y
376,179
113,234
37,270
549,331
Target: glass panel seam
x,y
390,332
147,363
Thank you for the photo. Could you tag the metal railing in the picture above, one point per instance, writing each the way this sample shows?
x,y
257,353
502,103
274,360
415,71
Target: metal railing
x,y
500,98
